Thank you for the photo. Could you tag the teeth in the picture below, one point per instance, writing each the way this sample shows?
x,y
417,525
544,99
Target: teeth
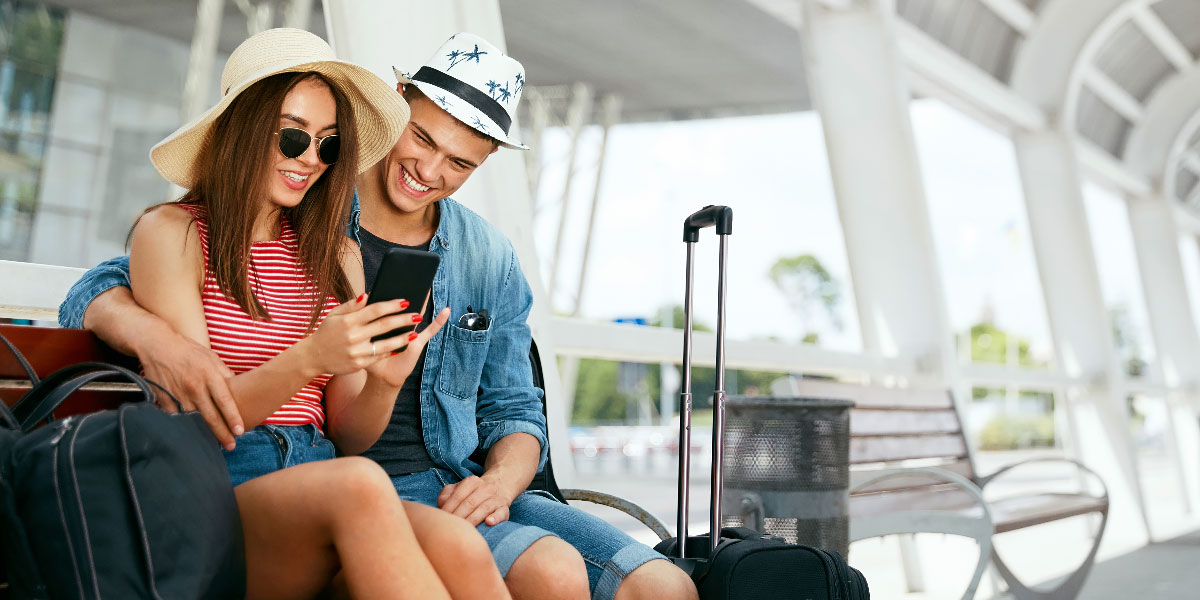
x,y
412,183
294,176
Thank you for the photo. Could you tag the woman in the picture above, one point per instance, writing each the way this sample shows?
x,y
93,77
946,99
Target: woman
x,y
254,263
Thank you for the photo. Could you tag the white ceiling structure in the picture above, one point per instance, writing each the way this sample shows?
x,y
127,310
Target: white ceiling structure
x,y
1122,74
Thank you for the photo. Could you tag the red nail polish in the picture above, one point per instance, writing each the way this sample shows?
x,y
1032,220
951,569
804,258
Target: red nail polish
x,y
360,297
403,304
395,352
412,336
417,318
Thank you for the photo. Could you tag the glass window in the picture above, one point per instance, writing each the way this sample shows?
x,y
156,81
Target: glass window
x,y
994,297
788,273
1112,242
30,40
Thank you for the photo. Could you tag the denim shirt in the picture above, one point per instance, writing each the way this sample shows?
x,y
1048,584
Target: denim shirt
x,y
477,386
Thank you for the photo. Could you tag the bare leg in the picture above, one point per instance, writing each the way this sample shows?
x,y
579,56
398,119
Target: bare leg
x,y
657,580
549,569
305,522
458,553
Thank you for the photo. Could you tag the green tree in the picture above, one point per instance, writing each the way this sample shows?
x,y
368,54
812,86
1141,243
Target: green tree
x,y
990,344
596,396
36,35
810,290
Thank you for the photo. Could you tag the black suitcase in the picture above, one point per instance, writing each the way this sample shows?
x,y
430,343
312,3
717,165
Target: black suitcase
x,y
741,564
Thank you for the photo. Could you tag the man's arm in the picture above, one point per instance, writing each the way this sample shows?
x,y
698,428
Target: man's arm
x,y
511,464
509,412
102,302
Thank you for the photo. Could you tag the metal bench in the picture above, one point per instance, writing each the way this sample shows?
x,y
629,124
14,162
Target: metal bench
x,y
912,472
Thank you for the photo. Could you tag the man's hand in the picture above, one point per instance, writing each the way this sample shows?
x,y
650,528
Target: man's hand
x,y
475,499
199,380
191,372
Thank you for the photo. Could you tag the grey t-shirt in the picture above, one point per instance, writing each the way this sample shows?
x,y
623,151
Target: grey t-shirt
x,y
400,449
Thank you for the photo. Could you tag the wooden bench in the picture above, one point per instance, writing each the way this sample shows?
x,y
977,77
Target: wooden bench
x,y
48,350
912,472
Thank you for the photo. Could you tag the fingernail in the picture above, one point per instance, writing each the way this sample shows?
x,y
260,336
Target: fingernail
x,y
360,297
417,318
412,336
403,304
238,430
395,352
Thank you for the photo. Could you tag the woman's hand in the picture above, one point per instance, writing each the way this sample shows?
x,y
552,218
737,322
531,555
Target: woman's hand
x,y
342,344
398,364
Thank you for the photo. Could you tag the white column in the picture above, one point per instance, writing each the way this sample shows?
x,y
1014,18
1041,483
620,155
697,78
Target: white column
x,y
1079,319
196,96
856,78
381,33
1156,240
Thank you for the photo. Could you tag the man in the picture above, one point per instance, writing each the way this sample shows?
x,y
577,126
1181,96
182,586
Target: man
x,y
473,387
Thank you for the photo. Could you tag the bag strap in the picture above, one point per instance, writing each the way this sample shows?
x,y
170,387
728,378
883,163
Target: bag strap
x,y
41,401
9,420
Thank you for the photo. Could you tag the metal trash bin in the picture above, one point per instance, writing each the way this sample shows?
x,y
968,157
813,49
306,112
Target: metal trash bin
x,y
787,468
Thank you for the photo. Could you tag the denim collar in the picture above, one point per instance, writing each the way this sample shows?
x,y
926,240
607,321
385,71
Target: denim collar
x,y
441,235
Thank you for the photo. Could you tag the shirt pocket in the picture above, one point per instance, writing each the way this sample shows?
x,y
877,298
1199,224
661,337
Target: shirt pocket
x,y
463,354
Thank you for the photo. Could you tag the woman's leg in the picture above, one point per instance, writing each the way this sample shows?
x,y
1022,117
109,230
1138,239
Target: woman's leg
x,y
303,523
457,551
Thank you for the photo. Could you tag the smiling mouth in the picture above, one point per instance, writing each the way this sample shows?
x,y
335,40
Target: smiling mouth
x,y
298,178
411,183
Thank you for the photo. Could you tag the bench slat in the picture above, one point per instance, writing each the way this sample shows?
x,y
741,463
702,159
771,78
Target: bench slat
x,y
946,497
877,422
865,397
1026,511
871,449
907,481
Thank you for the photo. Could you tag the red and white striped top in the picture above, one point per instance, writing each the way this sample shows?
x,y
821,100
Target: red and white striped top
x,y
278,280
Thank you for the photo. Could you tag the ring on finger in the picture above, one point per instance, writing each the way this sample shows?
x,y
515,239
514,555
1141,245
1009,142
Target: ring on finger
x,y
372,349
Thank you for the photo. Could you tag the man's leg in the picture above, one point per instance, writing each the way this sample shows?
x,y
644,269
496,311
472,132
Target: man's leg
x,y
617,565
534,563
549,568
657,580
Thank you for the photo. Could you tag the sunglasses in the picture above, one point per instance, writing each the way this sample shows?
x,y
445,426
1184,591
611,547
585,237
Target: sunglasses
x,y
293,142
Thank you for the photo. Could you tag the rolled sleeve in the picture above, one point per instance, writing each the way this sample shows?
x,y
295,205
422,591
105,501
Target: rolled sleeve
x,y
109,274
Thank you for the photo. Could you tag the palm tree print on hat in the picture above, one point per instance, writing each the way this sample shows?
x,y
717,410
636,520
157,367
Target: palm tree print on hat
x,y
480,125
442,100
519,82
492,85
456,56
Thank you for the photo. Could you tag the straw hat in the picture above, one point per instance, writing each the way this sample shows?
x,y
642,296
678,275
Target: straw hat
x,y
476,83
379,112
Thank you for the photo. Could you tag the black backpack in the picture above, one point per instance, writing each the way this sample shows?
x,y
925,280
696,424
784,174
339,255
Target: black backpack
x,y
126,503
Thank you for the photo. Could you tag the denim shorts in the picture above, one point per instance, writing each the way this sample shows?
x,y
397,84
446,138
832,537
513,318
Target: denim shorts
x,y
609,553
269,448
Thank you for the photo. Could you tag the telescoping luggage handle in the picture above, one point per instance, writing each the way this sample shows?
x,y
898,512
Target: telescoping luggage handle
x,y
720,218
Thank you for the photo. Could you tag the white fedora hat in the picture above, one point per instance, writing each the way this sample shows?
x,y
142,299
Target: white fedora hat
x,y
476,83
379,112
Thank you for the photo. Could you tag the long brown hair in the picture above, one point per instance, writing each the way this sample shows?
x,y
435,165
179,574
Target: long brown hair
x,y
231,179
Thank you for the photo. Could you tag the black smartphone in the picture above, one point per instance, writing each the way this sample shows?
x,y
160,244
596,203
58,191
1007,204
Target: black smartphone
x,y
406,274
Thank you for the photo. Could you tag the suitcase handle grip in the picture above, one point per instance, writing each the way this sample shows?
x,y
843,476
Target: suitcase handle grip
x,y
721,216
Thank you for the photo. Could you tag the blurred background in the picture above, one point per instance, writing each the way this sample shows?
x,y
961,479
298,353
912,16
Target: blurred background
x,y
1000,198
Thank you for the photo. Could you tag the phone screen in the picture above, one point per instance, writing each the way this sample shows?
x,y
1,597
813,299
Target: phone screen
x,y
406,274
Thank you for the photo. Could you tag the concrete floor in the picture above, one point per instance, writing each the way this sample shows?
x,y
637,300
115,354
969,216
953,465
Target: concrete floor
x,y
1169,569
